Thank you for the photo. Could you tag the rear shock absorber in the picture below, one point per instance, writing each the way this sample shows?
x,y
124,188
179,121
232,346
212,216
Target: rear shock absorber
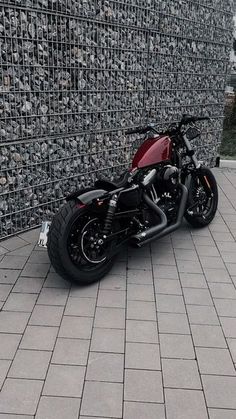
x,y
110,214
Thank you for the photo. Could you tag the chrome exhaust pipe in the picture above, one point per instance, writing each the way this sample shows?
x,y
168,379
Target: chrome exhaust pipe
x,y
161,229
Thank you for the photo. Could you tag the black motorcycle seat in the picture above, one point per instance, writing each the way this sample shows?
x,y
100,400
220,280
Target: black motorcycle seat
x,y
109,185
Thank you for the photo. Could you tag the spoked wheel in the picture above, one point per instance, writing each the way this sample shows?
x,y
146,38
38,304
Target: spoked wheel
x,y
203,198
76,247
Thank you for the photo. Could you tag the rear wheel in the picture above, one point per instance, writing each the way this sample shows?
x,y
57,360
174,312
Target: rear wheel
x,y
75,245
203,198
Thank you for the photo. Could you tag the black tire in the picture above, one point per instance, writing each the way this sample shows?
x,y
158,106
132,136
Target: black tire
x,y
204,218
58,249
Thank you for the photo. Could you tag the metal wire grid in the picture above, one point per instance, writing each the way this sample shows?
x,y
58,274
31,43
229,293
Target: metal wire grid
x,y
111,75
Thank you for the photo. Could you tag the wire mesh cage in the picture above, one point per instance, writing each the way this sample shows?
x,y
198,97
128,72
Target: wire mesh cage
x,y
75,73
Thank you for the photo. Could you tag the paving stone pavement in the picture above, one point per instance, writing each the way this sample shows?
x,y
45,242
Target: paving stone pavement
x,y
156,339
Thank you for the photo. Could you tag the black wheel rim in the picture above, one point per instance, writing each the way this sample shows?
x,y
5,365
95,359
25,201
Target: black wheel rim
x,y
79,243
202,199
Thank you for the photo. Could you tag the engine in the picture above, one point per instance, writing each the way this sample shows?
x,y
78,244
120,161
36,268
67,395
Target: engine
x,y
168,179
165,192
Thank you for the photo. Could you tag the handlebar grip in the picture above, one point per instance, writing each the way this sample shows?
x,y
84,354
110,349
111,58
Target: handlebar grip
x,y
203,118
139,130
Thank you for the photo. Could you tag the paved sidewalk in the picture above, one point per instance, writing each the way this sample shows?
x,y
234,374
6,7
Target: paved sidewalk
x,y
156,339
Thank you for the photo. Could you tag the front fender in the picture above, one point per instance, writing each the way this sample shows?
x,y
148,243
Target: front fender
x,y
86,196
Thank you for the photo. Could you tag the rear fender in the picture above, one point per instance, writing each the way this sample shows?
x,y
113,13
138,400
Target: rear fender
x,y
86,196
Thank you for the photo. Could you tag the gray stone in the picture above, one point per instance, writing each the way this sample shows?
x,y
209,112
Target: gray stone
x,y
35,270
9,345
181,373
80,307
105,367
53,296
13,322
208,336
141,331
4,367
39,337
176,346
137,410
20,302
4,291
112,318
8,276
141,310
11,400
142,356
103,399
46,315
215,361
76,327
108,340
215,397
64,380
202,315
173,323
59,407
71,351
183,404
108,298
143,386
170,303
28,285
30,364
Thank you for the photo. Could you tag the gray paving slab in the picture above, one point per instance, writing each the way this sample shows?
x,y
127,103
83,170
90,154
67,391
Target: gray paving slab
x,y
181,373
141,331
144,356
76,327
108,340
20,396
58,407
84,307
8,276
30,364
28,285
185,404
46,315
105,367
39,337
35,270
102,399
173,323
215,361
137,410
141,310
9,345
64,380
13,262
71,351
20,302
215,397
143,386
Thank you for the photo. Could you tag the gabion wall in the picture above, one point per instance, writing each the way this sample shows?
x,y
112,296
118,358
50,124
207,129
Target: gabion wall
x,y
76,73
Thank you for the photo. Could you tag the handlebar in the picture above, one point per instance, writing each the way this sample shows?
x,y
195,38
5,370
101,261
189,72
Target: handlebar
x,y
140,130
186,119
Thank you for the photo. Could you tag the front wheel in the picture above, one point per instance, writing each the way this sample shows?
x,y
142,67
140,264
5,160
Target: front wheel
x,y
75,246
202,199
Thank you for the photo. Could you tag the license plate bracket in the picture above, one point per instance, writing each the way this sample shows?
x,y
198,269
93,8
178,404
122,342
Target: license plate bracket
x,y
43,236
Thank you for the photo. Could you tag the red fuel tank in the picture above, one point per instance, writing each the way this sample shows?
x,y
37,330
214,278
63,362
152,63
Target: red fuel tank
x,y
152,151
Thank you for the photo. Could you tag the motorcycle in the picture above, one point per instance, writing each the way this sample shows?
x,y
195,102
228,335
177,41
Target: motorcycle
x,y
165,184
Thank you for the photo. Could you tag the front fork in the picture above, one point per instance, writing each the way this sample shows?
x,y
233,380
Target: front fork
x,y
191,153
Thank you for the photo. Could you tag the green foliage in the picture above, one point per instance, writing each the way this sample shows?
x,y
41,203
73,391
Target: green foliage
x,y
228,145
